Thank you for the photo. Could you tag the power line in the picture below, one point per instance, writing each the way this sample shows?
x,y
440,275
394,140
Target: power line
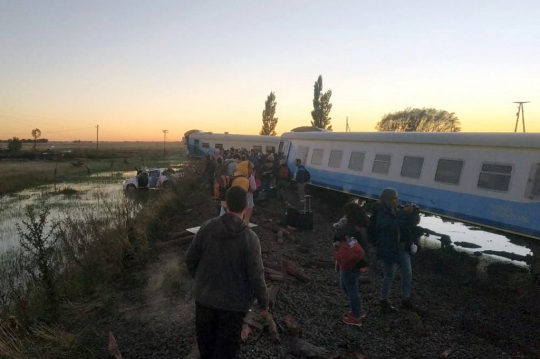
x,y
29,117
74,129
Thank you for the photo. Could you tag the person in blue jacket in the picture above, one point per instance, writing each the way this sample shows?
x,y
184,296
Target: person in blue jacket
x,y
393,248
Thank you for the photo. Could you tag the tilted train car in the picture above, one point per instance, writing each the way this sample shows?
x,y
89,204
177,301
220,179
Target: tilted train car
x,y
490,179
198,143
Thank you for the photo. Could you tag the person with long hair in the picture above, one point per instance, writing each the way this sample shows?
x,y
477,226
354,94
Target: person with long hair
x,y
352,230
392,250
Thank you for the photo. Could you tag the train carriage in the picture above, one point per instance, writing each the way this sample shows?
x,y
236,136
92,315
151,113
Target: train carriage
x,y
491,179
198,143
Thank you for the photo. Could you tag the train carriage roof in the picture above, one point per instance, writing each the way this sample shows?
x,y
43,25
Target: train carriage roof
x,y
233,137
483,139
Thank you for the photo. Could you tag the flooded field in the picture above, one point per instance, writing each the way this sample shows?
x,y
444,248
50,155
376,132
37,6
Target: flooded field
x,y
96,194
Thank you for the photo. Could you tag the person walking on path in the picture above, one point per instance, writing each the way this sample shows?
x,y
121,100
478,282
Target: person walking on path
x,y
391,250
225,260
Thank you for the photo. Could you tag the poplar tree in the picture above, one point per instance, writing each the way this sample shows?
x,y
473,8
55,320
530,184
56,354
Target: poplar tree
x,y
268,119
321,106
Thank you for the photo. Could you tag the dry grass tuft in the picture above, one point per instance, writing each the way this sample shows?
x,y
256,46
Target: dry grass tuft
x,y
55,336
10,344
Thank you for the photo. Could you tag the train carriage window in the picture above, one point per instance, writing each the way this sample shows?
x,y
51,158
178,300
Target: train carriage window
x,y
219,146
205,145
270,149
412,166
258,149
317,156
356,162
381,164
495,177
335,158
449,171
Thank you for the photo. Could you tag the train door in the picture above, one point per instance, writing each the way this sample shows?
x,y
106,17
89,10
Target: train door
x,y
533,184
283,149
302,153
196,147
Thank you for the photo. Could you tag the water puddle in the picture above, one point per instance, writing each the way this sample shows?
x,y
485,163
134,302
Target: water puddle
x,y
463,235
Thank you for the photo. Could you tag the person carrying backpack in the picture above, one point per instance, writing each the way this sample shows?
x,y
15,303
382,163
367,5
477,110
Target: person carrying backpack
x,y
229,166
302,176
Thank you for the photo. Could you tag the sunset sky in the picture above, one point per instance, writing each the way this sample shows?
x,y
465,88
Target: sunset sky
x,y
137,67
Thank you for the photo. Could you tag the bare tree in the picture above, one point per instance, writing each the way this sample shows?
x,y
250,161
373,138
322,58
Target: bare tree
x,y
419,120
268,119
321,106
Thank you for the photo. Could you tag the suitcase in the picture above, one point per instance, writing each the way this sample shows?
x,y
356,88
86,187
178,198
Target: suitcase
x,y
290,218
305,220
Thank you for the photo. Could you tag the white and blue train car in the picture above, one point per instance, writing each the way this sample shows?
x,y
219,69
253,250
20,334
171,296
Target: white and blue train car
x,y
490,179
198,143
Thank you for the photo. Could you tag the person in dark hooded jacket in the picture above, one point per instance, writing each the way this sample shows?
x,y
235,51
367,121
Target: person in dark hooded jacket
x,y
225,260
393,248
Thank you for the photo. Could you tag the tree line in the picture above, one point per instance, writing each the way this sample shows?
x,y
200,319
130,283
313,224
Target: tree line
x,y
26,140
408,120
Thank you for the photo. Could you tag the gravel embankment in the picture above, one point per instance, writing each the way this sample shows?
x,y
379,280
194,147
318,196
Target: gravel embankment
x,y
457,314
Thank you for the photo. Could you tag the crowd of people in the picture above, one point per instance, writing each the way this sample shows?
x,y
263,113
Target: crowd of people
x,y
261,175
225,255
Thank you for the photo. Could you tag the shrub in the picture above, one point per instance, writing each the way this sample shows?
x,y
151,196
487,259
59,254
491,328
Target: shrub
x,y
39,254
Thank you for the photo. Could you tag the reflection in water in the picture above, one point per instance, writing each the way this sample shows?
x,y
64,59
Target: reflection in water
x,y
461,232
74,199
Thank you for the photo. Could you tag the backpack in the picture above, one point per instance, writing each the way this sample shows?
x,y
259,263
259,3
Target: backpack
x,y
221,185
348,253
222,170
303,175
283,172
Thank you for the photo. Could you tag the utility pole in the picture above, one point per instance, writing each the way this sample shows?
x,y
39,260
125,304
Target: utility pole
x,y
164,137
97,138
347,128
522,110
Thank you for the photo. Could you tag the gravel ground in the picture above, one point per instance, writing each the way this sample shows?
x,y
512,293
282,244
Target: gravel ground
x,y
457,314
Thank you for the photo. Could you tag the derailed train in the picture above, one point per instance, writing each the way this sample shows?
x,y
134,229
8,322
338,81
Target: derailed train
x,y
489,179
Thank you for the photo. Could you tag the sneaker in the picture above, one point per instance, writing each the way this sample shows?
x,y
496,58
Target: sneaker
x,y
387,307
352,321
349,313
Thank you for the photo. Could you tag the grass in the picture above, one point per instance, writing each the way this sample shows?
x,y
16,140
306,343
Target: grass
x,y
16,175
102,248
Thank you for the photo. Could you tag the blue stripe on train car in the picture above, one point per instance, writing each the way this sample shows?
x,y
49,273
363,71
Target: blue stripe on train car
x,y
500,214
